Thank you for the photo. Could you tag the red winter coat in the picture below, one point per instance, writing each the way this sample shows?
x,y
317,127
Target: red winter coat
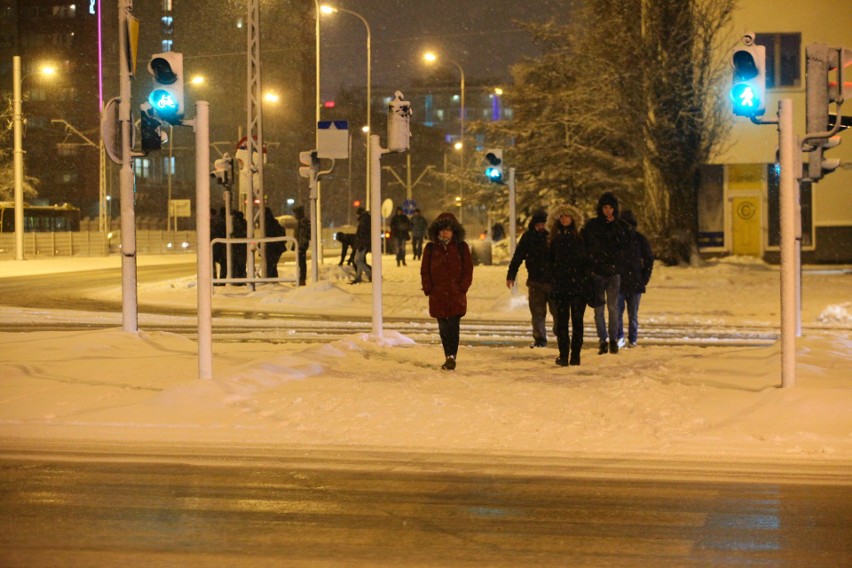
x,y
446,273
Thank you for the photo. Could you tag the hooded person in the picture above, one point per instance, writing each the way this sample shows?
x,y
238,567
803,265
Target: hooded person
x,y
533,253
569,264
637,272
303,238
446,273
607,240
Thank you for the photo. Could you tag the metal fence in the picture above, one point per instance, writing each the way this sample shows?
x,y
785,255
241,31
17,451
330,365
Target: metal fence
x,y
93,243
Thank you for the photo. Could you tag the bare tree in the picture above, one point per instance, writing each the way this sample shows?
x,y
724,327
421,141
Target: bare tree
x,y
625,99
7,165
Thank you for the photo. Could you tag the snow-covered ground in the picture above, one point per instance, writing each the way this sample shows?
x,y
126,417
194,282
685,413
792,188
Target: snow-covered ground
x,y
709,402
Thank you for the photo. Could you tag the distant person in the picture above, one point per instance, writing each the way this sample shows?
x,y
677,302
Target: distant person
x,y
607,239
303,238
362,245
533,252
634,279
347,242
569,262
220,253
419,225
498,233
273,250
239,255
446,273
400,226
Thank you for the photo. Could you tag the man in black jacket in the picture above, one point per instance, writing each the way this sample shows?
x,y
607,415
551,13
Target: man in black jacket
x,y
532,251
607,239
362,245
637,273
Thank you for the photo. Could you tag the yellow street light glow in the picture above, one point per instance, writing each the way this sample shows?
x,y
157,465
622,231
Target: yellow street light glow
x,y
326,9
458,145
365,129
271,97
48,70
198,80
498,91
430,57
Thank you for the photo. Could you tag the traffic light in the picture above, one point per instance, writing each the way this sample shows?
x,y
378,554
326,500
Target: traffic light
x,y
310,163
153,135
748,91
399,115
494,169
822,91
223,170
166,98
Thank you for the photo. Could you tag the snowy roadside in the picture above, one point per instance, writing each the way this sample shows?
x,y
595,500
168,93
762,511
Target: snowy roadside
x,y
703,403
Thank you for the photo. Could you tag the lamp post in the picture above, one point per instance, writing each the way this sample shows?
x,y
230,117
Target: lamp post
x,y
17,119
330,10
431,57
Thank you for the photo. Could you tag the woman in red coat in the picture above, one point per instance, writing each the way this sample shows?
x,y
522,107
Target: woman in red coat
x,y
446,272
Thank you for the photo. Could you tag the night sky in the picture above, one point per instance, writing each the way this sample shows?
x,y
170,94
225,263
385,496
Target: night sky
x,y
479,35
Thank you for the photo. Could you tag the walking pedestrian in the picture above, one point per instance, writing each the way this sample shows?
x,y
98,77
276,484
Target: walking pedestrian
x,y
569,261
637,274
418,231
303,238
400,226
347,242
532,250
220,254
239,251
362,244
273,250
607,241
446,273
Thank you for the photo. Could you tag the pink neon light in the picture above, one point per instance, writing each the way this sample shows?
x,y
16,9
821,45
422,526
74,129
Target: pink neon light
x,y
100,61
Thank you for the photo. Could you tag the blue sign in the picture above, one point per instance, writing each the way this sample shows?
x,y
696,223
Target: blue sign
x,y
408,206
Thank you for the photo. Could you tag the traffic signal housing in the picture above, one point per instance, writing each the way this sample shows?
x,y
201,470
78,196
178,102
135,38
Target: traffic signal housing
x,y
494,165
748,90
153,135
167,98
223,170
822,63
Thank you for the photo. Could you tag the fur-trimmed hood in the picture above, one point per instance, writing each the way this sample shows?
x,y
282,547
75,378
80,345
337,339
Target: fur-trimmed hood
x,y
446,220
557,211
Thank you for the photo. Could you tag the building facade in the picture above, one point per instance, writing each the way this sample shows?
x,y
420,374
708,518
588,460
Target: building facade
x,y
739,195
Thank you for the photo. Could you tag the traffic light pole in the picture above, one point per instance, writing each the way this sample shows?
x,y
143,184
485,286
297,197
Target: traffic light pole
x,y
204,290
789,291
129,306
376,153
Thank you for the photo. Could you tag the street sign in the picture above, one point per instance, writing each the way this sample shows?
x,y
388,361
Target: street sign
x,y
111,130
408,206
333,139
387,208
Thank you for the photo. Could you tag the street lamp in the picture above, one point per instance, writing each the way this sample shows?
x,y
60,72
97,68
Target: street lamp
x,y
330,10
431,57
17,119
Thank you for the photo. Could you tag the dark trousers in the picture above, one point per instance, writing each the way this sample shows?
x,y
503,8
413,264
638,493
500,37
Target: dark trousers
x,y
417,247
609,322
449,330
569,313
399,244
539,301
632,302
303,266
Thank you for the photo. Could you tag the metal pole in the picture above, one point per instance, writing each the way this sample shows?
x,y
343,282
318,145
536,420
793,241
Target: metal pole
x,y
376,233
169,206
18,158
788,244
204,260
513,230
126,179
315,230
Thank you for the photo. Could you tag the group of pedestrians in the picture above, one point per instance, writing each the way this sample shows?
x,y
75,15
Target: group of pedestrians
x,y
604,263
402,229
273,250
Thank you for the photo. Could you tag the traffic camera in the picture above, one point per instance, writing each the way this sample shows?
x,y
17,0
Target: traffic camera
x,y
166,98
748,92
494,168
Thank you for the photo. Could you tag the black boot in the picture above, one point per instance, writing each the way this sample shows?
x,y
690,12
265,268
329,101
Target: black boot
x,y
613,347
449,364
575,357
604,348
562,361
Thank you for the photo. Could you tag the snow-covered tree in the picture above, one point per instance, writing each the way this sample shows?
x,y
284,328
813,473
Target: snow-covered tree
x,y
625,99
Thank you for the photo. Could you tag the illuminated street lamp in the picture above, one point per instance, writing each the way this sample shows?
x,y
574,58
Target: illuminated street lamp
x,y
17,119
330,10
431,57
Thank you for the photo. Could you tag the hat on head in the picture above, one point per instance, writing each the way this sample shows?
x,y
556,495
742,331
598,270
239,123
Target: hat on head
x,y
539,216
360,210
